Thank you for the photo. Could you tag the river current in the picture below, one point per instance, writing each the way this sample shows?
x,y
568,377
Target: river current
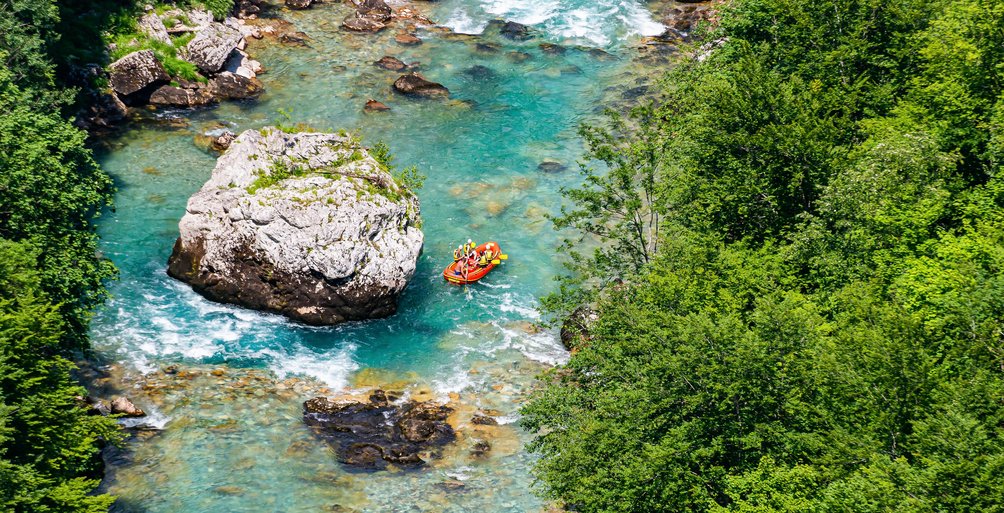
x,y
233,439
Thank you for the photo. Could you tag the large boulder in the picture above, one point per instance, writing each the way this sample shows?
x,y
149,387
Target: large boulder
x,y
308,225
153,26
377,10
170,96
212,46
370,435
414,84
231,86
136,72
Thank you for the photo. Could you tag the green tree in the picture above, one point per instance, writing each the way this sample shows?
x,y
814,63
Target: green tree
x,y
819,326
50,192
48,439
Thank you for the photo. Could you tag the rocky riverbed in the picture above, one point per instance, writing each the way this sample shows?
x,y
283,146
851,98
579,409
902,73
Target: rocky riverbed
x,y
244,425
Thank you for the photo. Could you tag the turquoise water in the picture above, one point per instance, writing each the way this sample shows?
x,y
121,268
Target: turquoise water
x,y
480,152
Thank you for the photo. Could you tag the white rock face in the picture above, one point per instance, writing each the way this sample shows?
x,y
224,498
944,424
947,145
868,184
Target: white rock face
x,y
335,240
152,25
136,72
212,46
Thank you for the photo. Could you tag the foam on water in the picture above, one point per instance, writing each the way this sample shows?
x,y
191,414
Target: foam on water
x,y
154,419
333,368
461,22
597,22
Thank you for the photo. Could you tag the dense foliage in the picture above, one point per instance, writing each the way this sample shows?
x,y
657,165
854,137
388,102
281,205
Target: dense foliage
x,y
799,279
50,276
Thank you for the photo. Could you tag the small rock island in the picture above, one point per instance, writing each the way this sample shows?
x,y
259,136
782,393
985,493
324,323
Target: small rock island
x,y
309,225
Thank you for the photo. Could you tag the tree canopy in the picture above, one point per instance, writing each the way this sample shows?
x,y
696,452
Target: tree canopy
x,y
51,275
820,326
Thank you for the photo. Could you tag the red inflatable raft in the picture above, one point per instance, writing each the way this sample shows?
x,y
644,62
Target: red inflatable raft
x,y
476,272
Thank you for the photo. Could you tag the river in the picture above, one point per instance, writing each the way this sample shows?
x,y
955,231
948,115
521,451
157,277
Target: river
x,y
232,437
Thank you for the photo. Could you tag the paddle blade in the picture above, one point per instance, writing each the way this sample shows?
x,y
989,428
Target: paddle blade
x,y
496,262
503,257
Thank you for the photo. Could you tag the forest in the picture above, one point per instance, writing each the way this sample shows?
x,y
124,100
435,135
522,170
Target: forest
x,y
798,294
51,276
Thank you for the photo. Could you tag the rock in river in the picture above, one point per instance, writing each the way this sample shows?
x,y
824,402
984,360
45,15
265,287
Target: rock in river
x,y
370,16
414,84
178,97
231,86
391,63
308,225
515,31
375,106
126,408
371,435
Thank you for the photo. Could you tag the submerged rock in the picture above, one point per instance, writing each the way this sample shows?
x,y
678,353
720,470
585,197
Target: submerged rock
x,y
307,225
551,166
391,63
518,56
515,31
294,38
136,72
357,24
371,435
375,106
414,84
407,39
484,419
479,72
298,4
552,49
487,47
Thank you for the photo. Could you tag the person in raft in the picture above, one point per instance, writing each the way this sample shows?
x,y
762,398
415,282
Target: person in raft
x,y
466,257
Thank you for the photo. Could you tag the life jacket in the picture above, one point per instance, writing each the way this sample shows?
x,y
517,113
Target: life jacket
x,y
458,254
484,259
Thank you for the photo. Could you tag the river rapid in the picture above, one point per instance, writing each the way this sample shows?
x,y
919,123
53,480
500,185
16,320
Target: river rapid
x,y
225,385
